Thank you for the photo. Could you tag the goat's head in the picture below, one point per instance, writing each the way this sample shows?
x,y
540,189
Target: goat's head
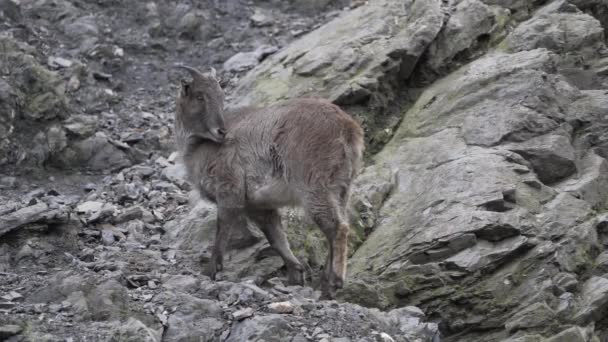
x,y
201,105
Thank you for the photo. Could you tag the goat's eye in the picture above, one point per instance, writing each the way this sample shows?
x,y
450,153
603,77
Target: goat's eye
x,y
200,98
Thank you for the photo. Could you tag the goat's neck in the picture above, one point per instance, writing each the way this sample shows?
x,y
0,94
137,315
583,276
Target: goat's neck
x,y
181,136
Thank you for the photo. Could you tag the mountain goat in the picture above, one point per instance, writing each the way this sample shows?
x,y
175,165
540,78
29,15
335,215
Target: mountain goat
x,y
253,161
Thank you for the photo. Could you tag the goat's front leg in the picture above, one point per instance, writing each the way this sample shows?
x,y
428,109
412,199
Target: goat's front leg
x,y
227,220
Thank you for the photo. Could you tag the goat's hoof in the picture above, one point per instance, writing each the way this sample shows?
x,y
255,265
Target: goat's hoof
x,y
295,277
212,270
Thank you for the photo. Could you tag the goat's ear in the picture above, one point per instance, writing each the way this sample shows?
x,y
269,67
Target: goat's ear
x,y
185,87
212,73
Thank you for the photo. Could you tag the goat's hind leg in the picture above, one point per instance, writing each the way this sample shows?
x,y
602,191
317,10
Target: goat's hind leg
x,y
269,222
326,213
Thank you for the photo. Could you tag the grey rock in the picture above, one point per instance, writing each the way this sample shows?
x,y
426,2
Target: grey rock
x,y
57,139
487,253
59,62
54,10
81,126
89,207
39,212
8,183
135,330
552,157
560,32
194,318
594,297
176,173
601,263
281,307
10,9
96,152
182,283
261,18
525,338
471,22
106,300
7,331
384,38
271,328
299,338
107,237
128,214
591,181
241,61
12,296
566,281
95,211
535,315
83,30
574,334
241,314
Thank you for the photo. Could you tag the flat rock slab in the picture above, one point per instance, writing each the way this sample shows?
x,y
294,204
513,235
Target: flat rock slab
x,y
594,300
39,212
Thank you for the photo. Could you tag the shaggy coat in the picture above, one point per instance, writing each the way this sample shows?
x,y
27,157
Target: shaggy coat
x,y
252,161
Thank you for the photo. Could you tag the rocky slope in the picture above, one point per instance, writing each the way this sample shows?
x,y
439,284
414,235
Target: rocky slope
x,y
480,215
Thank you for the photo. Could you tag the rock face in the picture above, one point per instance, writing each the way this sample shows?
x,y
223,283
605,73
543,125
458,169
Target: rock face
x,y
480,214
352,60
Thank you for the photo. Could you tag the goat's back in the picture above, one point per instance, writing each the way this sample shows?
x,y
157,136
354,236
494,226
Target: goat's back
x,y
304,142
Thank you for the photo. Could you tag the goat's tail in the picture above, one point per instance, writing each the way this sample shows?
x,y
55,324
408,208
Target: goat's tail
x,y
355,146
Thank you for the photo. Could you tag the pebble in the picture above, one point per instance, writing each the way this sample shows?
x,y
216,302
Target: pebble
x,y
107,236
241,314
281,307
7,305
11,296
7,331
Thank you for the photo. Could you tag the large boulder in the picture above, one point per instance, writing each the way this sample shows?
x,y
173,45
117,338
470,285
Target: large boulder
x,y
473,156
356,59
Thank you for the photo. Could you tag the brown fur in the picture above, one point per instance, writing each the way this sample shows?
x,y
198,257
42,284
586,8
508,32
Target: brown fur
x,y
303,152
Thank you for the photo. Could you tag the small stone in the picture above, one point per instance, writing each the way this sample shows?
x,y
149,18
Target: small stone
x,y
260,18
281,307
59,62
241,314
152,284
241,61
107,237
89,187
131,137
7,305
300,338
7,331
566,281
8,182
12,296
89,207
118,51
39,307
102,76
384,337
129,214
155,239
